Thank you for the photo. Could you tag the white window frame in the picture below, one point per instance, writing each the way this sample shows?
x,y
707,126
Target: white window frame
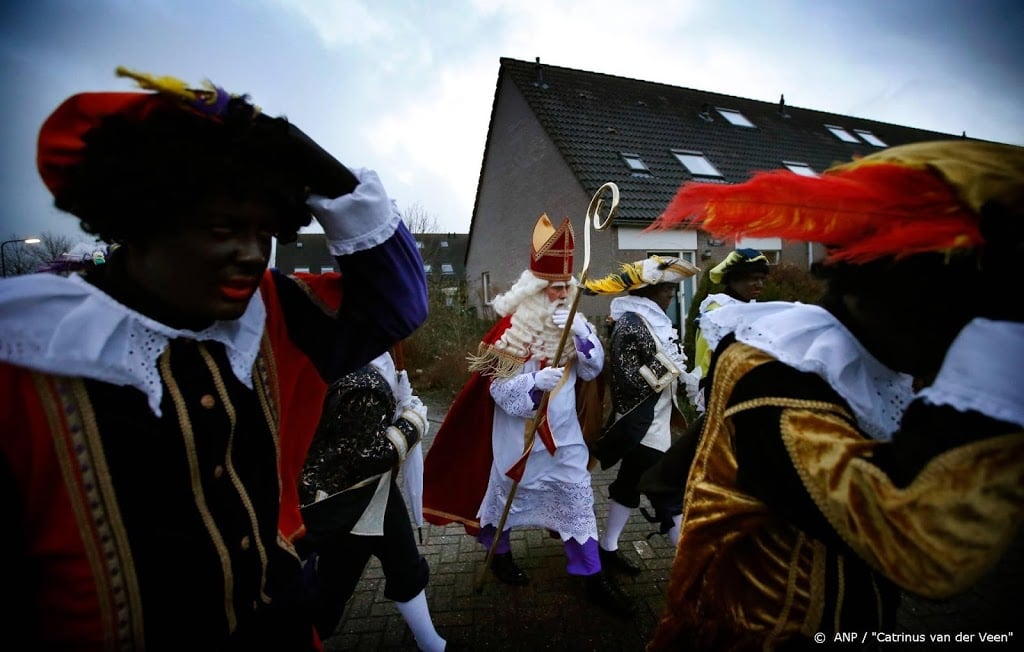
x,y
683,154
485,286
798,167
842,134
870,138
735,118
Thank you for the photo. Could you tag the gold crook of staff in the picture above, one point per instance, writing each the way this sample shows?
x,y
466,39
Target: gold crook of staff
x,y
594,218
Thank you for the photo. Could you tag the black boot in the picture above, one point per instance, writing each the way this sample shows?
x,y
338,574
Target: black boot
x,y
506,570
614,560
603,591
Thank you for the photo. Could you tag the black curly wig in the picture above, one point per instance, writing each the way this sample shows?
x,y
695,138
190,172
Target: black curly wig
x,y
137,178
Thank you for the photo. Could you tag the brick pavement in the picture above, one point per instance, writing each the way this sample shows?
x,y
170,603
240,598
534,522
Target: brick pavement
x,y
551,613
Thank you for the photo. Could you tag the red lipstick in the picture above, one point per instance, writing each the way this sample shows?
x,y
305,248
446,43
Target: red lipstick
x,y
238,290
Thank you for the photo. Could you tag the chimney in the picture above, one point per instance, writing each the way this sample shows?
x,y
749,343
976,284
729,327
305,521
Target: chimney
x,y
705,113
539,81
782,106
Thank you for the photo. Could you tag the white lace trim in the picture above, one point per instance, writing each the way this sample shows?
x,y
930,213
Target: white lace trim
x,y
981,371
566,508
68,326
359,220
720,298
811,339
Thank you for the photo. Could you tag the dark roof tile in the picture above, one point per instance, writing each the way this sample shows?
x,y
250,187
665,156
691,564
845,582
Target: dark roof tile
x,y
593,118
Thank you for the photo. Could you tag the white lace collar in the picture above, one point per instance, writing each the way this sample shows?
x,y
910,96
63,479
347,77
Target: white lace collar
x,y
650,311
811,339
69,327
720,298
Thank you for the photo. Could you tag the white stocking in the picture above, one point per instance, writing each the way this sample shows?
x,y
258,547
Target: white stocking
x,y
673,532
417,616
618,515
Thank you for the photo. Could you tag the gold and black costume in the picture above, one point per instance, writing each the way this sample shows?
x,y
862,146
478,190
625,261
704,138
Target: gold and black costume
x,y
796,523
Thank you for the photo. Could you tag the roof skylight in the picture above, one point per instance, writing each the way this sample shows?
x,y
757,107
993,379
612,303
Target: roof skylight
x,y
802,169
870,138
696,163
734,117
842,134
635,163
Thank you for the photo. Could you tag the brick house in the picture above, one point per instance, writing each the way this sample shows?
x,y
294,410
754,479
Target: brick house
x,y
557,134
443,254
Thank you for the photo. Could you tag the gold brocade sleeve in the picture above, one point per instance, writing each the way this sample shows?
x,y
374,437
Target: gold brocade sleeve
x,y
934,537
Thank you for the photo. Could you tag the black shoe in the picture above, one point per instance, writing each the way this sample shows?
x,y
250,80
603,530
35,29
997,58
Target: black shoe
x,y
506,570
614,560
603,591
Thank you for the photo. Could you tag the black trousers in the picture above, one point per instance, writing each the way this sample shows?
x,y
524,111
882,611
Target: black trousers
x,y
625,489
341,556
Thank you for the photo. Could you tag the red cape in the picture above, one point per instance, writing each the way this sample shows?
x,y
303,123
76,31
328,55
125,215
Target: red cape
x,y
458,464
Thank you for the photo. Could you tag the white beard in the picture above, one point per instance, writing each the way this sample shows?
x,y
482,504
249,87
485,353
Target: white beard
x,y
532,333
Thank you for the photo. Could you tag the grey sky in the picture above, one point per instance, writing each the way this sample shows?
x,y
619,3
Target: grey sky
x,y
406,87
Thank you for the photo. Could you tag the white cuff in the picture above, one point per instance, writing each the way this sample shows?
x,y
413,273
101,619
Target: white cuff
x,y
397,439
982,370
360,220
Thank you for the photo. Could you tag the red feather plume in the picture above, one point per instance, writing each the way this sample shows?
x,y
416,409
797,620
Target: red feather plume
x,y
861,212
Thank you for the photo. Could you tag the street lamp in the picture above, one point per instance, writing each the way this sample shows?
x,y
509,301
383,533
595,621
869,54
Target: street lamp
x,y
3,258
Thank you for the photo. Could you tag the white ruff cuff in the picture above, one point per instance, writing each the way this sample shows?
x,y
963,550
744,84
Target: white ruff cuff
x,y
981,371
359,220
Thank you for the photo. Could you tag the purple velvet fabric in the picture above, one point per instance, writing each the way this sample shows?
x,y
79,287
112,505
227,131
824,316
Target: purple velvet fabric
x,y
582,558
486,536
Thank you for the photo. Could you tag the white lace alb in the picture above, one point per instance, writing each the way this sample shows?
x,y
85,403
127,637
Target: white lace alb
x,y
558,506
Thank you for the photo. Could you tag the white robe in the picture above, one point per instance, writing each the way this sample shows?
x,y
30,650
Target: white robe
x,y
555,492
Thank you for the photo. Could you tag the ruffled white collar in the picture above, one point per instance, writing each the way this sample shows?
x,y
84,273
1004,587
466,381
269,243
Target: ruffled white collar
x,y
650,311
720,298
981,371
69,327
811,339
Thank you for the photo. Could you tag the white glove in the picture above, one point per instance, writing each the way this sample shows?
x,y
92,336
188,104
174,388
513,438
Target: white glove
x,y
546,379
579,324
691,385
414,404
403,388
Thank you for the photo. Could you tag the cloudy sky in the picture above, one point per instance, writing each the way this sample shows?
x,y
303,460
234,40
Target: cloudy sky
x,y
406,86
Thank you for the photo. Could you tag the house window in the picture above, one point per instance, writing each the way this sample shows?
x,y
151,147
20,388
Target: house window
x,y
298,245
485,285
636,165
427,268
419,244
444,243
301,270
449,296
870,138
842,134
446,268
802,169
696,163
734,117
